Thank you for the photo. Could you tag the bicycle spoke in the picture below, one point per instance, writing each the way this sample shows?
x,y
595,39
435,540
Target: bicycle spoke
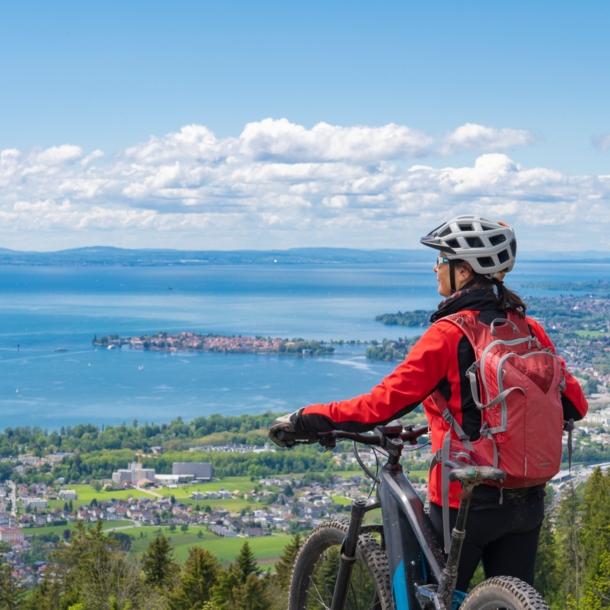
x,y
319,595
322,566
351,586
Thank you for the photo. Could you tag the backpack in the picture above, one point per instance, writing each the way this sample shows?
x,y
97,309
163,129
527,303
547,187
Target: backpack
x,y
520,386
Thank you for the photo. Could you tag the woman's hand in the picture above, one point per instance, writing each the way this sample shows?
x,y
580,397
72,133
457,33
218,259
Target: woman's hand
x,y
283,424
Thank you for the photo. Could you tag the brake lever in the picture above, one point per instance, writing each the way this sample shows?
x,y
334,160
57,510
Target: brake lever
x,y
328,441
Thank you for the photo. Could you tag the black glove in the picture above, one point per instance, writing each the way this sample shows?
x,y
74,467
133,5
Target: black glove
x,y
283,424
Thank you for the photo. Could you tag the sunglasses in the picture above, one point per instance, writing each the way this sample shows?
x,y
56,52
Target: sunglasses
x,y
441,260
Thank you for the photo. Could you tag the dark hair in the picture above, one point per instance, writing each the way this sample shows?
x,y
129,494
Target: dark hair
x,y
507,299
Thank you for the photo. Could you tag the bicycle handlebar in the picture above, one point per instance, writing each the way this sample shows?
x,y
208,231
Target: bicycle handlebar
x,y
409,434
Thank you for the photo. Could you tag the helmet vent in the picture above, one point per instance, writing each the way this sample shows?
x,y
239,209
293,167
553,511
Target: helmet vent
x,y
513,247
466,228
453,243
496,240
487,228
503,256
474,242
486,261
446,232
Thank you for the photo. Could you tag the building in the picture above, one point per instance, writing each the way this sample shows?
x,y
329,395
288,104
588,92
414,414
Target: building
x,y
68,494
11,534
173,479
200,470
133,474
35,502
224,532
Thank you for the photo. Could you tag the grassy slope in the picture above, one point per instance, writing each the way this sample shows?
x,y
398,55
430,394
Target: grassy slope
x,y
59,529
266,550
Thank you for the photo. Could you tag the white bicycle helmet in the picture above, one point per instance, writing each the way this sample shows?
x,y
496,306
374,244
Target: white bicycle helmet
x,y
489,246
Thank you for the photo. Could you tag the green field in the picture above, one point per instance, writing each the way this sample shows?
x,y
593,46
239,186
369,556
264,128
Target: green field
x,y
59,529
420,474
267,550
341,500
590,334
242,484
86,493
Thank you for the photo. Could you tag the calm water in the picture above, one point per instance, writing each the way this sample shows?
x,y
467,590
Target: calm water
x,y
44,308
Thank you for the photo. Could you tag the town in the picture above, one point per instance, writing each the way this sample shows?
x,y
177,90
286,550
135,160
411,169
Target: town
x,y
136,500
192,342
579,326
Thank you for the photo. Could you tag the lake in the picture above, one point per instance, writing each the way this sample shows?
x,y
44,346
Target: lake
x,y
48,308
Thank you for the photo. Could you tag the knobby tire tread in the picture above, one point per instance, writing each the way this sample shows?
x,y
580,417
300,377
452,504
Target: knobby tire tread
x,y
330,534
504,589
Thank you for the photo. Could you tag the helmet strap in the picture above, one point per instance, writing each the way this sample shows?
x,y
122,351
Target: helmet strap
x,y
452,275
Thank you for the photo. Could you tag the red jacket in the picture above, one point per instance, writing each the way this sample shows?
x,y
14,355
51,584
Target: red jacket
x,y
437,361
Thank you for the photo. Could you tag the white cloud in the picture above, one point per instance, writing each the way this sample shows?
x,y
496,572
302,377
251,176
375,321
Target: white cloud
x,y
288,143
478,137
280,184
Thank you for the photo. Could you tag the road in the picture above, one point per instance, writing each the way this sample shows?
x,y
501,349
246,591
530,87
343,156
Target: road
x,y
152,493
13,497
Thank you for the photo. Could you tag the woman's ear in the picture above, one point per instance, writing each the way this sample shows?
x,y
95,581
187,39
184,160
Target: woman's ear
x,y
466,271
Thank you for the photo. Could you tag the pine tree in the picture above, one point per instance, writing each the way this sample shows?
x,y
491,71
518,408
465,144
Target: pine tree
x,y
12,590
227,587
252,595
597,588
48,593
199,575
283,568
569,545
546,578
595,522
159,567
246,562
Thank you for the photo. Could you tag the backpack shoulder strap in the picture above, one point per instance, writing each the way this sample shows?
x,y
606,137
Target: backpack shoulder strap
x,y
444,454
470,326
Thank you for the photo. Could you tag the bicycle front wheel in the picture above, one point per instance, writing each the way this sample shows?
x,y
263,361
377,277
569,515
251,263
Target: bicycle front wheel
x,y
316,566
504,593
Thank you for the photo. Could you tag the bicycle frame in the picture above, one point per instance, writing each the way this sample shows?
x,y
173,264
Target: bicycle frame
x,y
421,578
415,557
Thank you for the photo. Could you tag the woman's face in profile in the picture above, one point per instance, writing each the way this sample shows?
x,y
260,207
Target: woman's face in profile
x,y
442,277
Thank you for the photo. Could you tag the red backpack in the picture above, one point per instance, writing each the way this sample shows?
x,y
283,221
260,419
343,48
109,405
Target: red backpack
x,y
520,386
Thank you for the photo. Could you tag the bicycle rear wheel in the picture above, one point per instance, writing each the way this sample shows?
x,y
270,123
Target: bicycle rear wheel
x,y
504,593
316,566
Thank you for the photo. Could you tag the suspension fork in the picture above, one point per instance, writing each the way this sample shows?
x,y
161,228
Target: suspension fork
x,y
348,551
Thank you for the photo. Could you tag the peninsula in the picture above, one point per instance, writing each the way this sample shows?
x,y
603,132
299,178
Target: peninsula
x,y
193,342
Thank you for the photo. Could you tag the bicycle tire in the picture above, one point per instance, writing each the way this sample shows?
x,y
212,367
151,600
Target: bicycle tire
x,y
504,592
312,583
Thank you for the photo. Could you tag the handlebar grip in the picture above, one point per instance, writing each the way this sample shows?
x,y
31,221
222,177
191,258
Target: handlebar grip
x,y
297,437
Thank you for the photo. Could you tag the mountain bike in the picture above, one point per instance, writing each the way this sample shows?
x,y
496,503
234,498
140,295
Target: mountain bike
x,y
399,565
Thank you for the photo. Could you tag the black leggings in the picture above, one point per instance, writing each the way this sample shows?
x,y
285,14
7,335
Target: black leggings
x,y
504,537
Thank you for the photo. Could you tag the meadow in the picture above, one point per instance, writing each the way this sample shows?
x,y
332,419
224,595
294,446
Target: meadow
x,y
59,529
267,549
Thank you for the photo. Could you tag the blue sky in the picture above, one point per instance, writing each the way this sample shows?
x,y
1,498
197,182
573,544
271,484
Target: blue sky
x,y
109,75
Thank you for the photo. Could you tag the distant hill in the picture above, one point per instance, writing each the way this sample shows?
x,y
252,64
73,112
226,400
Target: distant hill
x,y
104,255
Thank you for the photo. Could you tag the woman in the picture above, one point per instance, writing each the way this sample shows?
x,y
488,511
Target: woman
x,y
503,525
